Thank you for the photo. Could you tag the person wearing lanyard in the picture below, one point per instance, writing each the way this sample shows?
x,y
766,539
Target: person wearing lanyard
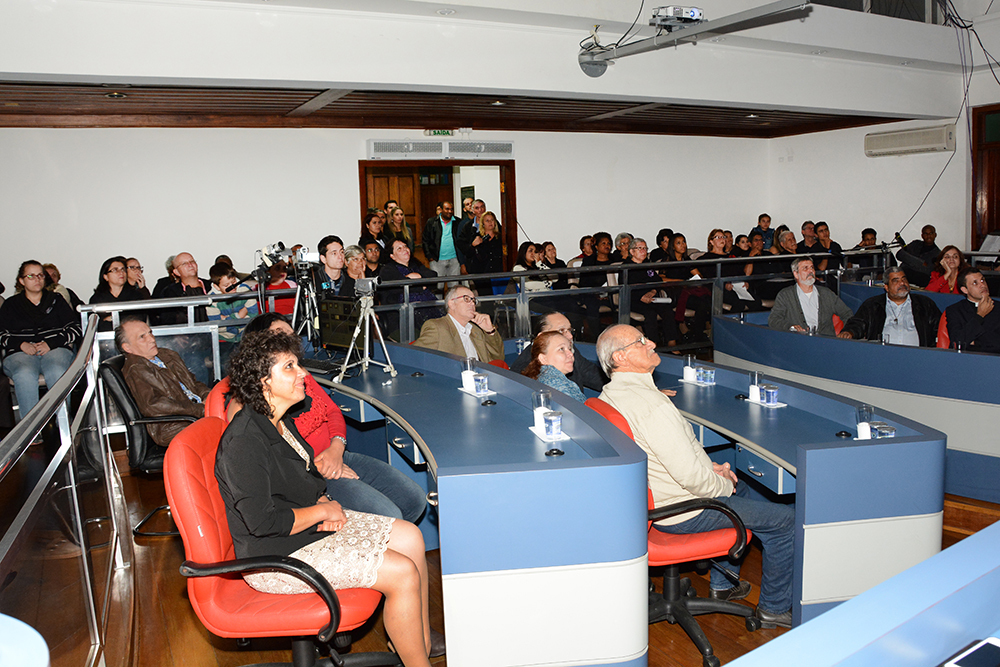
x,y
900,318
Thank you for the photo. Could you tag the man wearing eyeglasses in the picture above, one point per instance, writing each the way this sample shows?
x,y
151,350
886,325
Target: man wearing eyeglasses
x,y
462,332
679,469
585,372
187,283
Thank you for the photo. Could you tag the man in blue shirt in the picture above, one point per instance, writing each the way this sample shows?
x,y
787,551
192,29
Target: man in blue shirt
x,y
441,242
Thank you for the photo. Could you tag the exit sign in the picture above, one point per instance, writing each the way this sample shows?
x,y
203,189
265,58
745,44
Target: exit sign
x,y
439,133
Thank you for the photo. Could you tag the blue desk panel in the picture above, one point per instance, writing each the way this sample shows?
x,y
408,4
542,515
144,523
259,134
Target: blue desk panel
x,y
918,618
955,393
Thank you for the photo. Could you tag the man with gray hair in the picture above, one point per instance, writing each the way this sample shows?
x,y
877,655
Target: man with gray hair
x,y
679,469
806,306
899,317
462,332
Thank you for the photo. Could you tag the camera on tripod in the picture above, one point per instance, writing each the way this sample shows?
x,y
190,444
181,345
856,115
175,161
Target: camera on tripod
x,y
365,286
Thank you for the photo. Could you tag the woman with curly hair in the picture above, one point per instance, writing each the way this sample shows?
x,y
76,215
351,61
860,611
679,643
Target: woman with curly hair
x,y
276,503
551,361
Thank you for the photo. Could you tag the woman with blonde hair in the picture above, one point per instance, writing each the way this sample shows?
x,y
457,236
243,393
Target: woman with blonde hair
x,y
396,228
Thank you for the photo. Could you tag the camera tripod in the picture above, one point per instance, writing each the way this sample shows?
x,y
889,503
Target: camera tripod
x,y
366,319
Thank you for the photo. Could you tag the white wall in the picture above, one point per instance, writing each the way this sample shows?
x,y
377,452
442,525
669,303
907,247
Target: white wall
x,y
826,176
76,197
486,181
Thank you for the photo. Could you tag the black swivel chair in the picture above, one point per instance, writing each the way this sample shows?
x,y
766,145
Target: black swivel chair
x,y
144,455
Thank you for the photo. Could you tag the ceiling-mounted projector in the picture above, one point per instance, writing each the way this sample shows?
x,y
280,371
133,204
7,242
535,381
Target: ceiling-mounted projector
x,y
594,57
672,16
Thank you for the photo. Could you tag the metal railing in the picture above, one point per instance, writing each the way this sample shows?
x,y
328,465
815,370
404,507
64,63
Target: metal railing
x,y
517,299
62,556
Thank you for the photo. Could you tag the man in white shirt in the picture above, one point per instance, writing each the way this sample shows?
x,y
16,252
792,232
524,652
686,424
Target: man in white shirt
x,y
678,469
806,306
463,331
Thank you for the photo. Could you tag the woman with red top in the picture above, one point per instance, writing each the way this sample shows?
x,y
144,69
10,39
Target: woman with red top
x,y
947,266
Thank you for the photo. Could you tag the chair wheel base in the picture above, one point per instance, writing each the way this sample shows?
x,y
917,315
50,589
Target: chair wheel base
x,y
710,661
753,623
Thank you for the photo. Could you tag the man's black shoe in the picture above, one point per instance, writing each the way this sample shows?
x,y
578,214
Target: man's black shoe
x,y
737,592
771,620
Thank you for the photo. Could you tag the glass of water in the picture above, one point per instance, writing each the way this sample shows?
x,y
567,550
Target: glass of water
x,y
553,424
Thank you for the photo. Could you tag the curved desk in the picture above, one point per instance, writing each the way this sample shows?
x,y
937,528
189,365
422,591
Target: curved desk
x,y
954,393
543,558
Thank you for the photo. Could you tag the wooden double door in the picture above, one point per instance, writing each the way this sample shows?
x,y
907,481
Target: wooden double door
x,y
418,186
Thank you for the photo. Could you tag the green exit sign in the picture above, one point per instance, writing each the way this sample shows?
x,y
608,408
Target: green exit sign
x,y
439,133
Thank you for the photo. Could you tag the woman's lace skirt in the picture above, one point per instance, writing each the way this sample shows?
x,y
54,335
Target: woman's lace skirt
x,y
349,558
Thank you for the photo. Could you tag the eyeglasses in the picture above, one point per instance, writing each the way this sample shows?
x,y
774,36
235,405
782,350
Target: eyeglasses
x,y
641,248
34,276
466,298
116,269
135,268
641,340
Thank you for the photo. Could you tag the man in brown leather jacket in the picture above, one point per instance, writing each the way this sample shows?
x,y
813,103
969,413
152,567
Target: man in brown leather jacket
x,y
160,382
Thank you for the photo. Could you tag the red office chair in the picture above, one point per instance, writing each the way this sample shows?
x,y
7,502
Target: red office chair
x,y
500,363
679,604
943,340
224,602
215,402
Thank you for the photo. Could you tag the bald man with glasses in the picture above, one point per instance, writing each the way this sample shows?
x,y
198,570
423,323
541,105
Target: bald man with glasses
x,y
463,331
678,469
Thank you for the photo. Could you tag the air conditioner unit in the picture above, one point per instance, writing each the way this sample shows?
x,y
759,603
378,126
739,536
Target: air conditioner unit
x,y
480,150
919,140
405,150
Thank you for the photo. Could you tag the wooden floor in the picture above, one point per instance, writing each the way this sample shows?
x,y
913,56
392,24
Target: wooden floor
x,y
171,635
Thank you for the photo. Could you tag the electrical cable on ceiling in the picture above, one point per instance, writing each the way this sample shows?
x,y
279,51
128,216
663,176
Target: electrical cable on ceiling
x,y
622,39
592,42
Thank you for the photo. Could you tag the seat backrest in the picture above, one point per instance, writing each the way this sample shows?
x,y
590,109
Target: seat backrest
x,y
943,339
137,437
610,413
500,363
193,492
838,324
215,402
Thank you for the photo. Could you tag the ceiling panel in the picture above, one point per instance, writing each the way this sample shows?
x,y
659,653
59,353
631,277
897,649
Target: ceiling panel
x,y
60,105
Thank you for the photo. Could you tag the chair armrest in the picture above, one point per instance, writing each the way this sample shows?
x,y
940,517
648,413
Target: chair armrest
x,y
163,420
737,549
292,566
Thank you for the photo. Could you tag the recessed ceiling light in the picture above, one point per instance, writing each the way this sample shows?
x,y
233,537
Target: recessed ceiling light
x,y
752,115
116,96
446,12
818,52
717,39
906,63
498,103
